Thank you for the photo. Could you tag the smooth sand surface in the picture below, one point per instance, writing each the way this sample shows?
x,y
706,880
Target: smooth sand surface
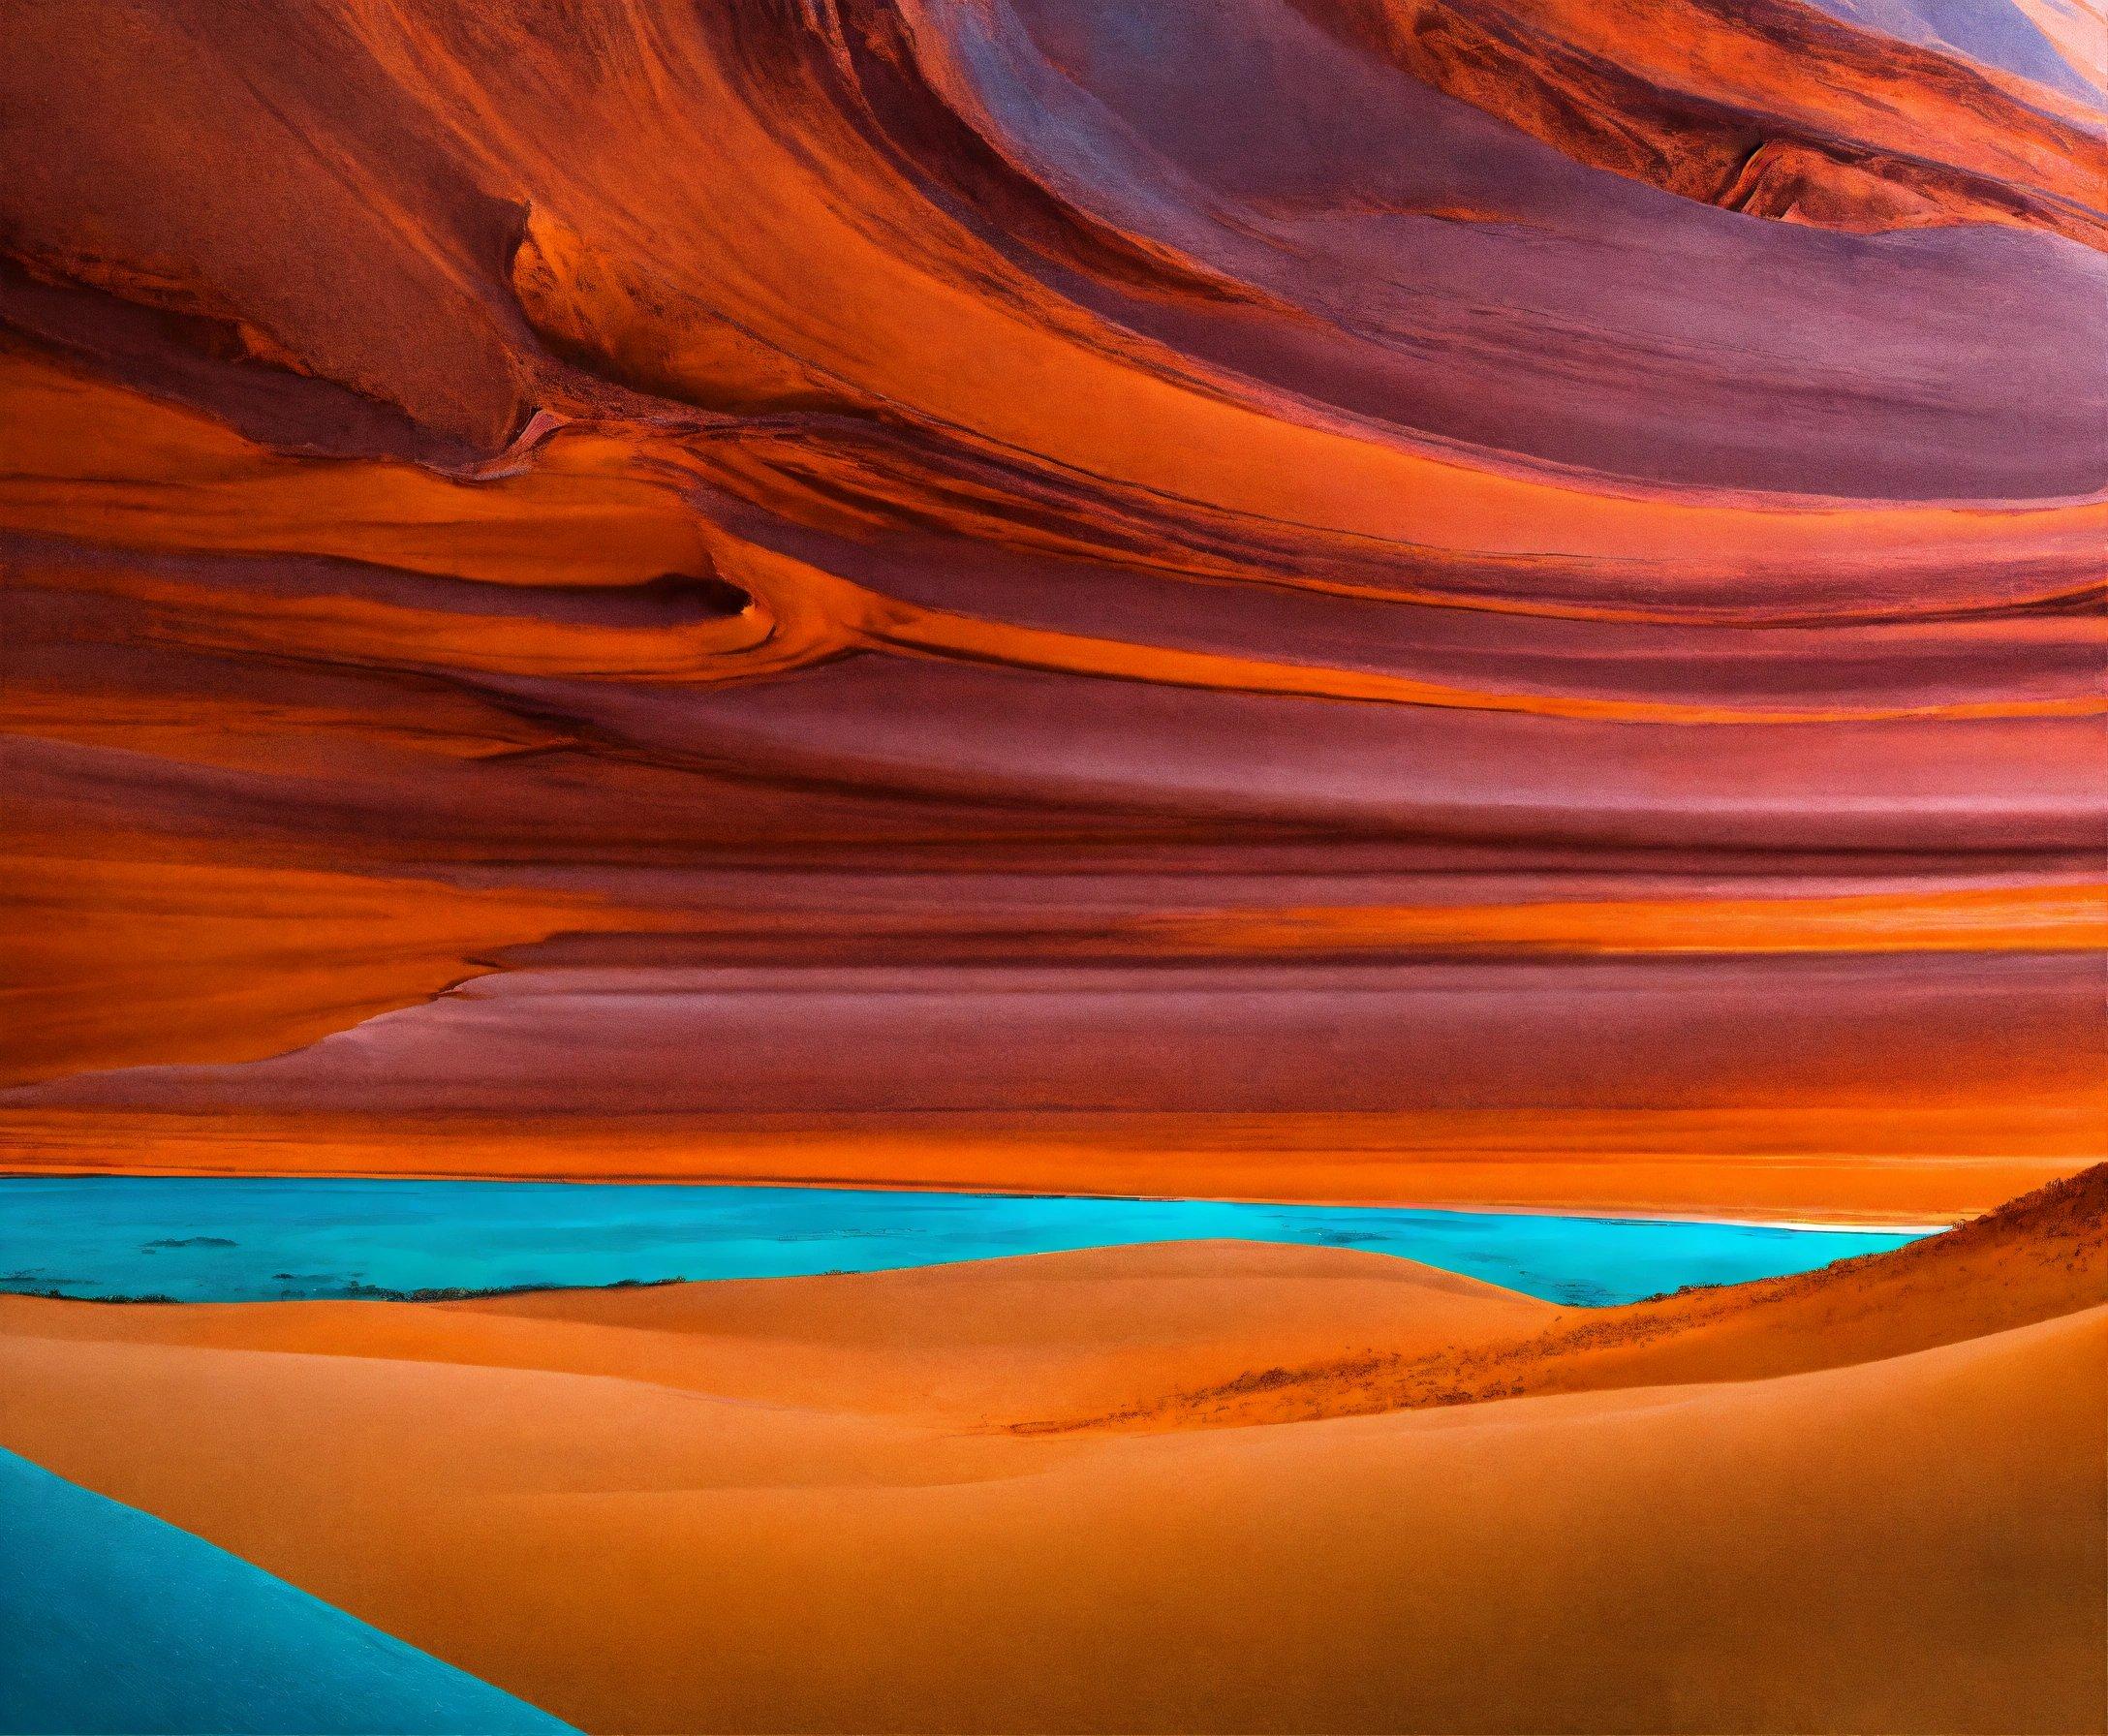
x,y
834,1503
981,1343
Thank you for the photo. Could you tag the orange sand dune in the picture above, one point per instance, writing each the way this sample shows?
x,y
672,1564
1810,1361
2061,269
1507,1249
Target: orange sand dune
x,y
2028,1261
795,1506
983,1341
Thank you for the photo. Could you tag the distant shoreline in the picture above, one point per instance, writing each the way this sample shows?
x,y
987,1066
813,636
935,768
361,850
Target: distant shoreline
x,y
1853,1223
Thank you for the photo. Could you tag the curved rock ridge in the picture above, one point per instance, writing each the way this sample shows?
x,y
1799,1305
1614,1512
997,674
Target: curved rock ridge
x,y
965,583
1769,109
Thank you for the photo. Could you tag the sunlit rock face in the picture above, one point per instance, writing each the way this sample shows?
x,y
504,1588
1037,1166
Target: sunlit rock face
x,y
1444,599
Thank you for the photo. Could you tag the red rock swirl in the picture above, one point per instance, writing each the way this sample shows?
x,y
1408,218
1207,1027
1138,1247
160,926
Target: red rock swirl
x,y
1260,597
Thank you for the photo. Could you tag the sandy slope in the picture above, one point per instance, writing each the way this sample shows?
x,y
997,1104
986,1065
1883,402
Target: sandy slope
x,y
958,1344
795,1505
2032,1259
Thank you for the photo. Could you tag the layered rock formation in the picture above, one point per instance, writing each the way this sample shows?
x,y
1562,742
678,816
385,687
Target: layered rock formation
x,y
1254,598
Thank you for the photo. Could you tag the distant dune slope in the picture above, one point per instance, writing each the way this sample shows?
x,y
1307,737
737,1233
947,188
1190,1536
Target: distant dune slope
x,y
2040,1256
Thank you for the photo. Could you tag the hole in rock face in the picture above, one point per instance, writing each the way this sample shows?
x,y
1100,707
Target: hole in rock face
x,y
670,600
712,596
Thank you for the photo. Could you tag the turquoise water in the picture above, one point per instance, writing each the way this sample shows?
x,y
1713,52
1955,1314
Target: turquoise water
x,y
223,1240
111,1620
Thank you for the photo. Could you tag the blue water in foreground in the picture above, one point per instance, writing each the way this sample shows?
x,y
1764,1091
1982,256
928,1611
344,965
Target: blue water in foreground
x,y
111,1620
226,1240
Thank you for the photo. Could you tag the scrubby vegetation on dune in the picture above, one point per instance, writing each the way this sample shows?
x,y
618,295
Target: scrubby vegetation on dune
x,y
2039,1256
